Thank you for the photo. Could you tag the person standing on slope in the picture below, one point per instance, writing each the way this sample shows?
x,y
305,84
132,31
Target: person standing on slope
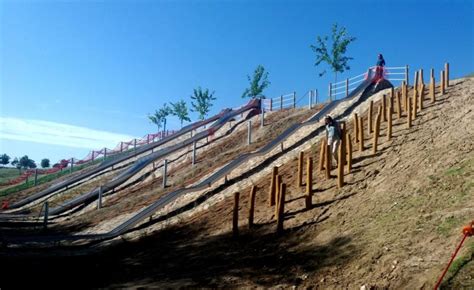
x,y
333,135
379,67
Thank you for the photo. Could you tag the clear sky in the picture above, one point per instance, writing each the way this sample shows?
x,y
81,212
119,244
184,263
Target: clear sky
x,y
80,75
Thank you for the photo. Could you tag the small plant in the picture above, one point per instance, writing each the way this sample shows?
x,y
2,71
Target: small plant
x,y
203,102
258,83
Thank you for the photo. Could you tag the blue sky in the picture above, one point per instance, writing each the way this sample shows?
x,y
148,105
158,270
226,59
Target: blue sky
x,y
103,66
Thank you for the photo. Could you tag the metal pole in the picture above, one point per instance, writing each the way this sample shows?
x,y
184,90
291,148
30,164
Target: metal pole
x,y
36,176
194,152
121,147
165,169
281,102
46,212
72,165
310,103
330,92
135,146
406,75
294,100
316,96
249,132
99,201
105,153
347,87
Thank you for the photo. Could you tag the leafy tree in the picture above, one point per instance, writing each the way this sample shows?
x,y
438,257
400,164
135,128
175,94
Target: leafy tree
x,y
257,84
180,109
45,163
25,162
164,112
203,103
335,58
156,119
4,159
17,164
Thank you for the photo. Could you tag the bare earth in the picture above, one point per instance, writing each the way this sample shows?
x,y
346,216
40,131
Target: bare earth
x,y
393,225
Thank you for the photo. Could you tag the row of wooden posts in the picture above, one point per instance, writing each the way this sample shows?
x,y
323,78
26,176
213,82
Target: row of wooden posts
x,y
396,103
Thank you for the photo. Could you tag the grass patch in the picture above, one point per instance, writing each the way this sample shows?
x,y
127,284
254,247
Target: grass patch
x,y
448,224
43,179
460,262
7,174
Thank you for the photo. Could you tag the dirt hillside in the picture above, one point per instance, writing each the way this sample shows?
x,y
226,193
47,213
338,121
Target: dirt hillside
x,y
393,225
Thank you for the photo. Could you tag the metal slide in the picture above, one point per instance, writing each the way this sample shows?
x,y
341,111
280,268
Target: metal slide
x,y
364,90
221,118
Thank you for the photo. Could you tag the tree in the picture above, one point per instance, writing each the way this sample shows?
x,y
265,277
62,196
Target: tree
x,y
156,119
4,159
180,109
164,112
257,84
336,58
45,163
25,162
203,103
17,164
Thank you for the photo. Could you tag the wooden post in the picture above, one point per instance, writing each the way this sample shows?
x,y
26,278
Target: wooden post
x,y
406,75
399,107
408,115
415,85
299,181
371,111
309,182
328,162
432,90
361,134
405,101
389,127
392,97
414,104
281,208
235,217
322,154
404,94
446,74
441,85
421,97
277,194
384,108
343,140
349,152
252,205
273,184
355,124
422,82
46,214
376,133
340,167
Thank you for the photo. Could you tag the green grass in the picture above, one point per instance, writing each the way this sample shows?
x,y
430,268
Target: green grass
x,y
7,174
460,262
448,224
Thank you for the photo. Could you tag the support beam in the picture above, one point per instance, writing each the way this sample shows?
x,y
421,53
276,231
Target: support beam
x,y
253,190
349,152
355,125
99,199
376,134
371,112
281,208
235,216
165,172
322,154
340,167
309,183
361,134
299,177
389,127
249,132
446,69
399,107
273,184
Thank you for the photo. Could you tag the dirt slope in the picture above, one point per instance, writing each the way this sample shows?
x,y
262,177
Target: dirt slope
x,y
393,225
